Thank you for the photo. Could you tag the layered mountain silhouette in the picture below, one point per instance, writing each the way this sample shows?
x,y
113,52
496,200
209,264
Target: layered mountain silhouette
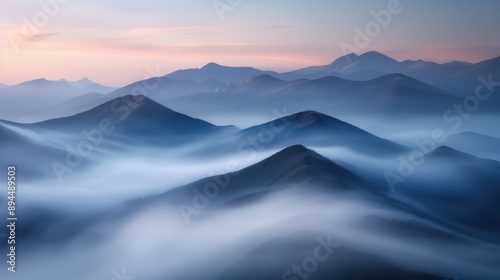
x,y
463,192
137,118
299,167
301,172
379,98
16,141
89,86
118,125
295,169
344,263
160,89
163,89
276,197
292,169
214,71
480,145
458,78
314,129
17,102
363,67
70,107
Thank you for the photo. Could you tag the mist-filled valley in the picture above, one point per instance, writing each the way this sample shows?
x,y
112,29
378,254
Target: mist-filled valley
x,y
376,169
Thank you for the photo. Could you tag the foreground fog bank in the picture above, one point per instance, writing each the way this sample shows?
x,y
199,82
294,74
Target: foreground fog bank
x,y
156,243
168,196
265,220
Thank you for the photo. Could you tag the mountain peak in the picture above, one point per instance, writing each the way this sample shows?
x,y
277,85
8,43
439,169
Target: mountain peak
x,y
308,113
136,116
140,104
347,57
449,153
85,79
352,63
375,54
297,149
211,65
41,80
36,82
376,57
289,168
82,83
312,118
295,155
265,78
371,55
307,122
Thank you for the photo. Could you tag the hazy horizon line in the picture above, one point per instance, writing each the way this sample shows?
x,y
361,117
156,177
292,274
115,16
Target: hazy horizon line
x,y
228,65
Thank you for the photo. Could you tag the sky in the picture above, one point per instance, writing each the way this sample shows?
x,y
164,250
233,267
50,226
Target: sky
x,y
115,42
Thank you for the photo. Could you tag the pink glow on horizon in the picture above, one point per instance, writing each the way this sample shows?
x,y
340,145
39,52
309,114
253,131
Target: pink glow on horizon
x,y
117,58
113,42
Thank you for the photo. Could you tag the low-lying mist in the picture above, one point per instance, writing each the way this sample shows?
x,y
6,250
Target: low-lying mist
x,y
155,242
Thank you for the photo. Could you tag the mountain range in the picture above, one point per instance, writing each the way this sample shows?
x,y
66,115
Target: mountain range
x,y
238,173
303,176
379,98
456,77
378,79
18,102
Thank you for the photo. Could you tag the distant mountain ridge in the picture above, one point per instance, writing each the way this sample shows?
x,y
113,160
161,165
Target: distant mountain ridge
x,y
382,97
22,102
352,63
456,77
18,102
132,120
214,71
165,88
315,129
